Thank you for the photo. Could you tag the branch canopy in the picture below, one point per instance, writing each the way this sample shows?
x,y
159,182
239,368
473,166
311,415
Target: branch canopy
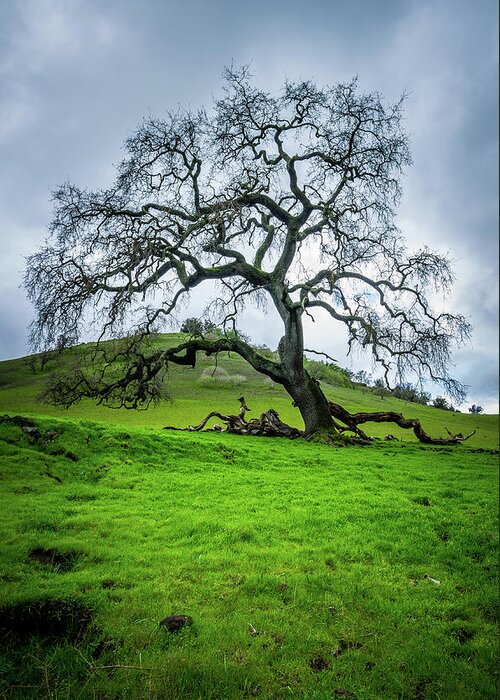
x,y
286,199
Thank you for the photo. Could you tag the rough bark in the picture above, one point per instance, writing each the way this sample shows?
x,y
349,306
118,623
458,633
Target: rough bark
x,y
353,420
304,389
270,425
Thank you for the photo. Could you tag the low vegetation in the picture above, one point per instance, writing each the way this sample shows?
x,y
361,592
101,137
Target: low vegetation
x,y
302,571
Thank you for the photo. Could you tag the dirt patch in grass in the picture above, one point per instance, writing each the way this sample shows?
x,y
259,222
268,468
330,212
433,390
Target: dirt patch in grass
x,y
60,561
319,663
422,501
20,421
61,452
46,618
463,635
344,645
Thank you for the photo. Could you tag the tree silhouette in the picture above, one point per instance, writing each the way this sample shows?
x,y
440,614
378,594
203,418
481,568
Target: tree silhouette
x,y
284,199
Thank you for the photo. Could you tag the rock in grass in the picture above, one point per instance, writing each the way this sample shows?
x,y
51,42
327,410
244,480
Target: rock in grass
x,y
32,432
174,623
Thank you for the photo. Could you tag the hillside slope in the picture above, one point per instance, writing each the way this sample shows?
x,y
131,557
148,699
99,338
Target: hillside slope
x,y
216,384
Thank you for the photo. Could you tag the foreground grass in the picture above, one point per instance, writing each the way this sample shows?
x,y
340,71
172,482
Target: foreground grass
x,y
309,572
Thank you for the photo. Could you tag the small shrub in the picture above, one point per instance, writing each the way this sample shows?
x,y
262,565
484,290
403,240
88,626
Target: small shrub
x,y
329,373
441,402
212,372
213,376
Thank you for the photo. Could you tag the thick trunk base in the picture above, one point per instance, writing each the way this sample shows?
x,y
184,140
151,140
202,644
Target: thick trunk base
x,y
334,438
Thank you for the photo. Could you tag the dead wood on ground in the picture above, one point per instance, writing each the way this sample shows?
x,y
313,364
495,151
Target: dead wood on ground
x,y
270,425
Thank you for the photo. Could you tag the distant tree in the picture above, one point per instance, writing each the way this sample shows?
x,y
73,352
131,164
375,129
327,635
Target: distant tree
x,y
441,402
409,392
63,343
476,409
30,362
210,327
424,398
237,197
362,377
380,388
193,326
197,327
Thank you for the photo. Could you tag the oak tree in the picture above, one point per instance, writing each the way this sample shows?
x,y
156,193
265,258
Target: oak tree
x,y
284,199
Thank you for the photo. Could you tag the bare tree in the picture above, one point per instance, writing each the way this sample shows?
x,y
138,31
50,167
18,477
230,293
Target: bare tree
x,y
287,200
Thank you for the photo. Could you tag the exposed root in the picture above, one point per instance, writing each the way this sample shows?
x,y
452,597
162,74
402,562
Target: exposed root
x,y
269,424
352,421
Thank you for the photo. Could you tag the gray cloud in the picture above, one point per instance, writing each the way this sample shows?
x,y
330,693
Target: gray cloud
x,y
77,76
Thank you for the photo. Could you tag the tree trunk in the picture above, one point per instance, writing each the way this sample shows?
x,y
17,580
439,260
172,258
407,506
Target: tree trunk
x,y
303,388
313,406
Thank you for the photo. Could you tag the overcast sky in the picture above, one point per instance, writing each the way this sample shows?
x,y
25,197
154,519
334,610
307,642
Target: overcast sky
x,y
77,76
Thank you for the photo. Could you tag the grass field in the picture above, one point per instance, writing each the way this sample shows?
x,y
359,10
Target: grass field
x,y
308,571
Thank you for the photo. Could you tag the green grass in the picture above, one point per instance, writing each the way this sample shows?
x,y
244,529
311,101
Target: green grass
x,y
306,569
194,393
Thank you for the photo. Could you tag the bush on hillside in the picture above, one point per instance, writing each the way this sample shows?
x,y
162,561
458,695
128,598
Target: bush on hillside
x,y
408,392
328,372
441,402
216,376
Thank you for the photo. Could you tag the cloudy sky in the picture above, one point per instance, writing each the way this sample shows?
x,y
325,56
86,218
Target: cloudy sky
x,y
77,76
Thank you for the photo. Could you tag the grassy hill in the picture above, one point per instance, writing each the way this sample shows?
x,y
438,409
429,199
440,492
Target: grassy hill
x,y
308,572
216,385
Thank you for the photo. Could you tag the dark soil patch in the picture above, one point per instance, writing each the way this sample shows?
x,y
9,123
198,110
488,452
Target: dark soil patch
x,y
24,489
32,432
54,476
20,421
61,561
422,501
49,619
174,623
81,497
420,690
60,452
319,664
346,646
106,645
109,583
463,635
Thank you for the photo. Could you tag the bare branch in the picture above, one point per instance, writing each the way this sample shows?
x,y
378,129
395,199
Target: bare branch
x,y
290,197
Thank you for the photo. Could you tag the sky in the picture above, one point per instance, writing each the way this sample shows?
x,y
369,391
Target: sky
x,y
78,76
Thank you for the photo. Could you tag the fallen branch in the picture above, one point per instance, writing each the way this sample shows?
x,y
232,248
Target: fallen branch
x,y
353,420
269,424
